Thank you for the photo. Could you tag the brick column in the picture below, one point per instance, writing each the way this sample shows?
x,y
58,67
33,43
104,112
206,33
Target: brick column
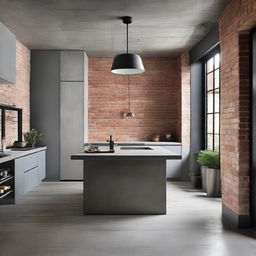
x,y
185,112
235,23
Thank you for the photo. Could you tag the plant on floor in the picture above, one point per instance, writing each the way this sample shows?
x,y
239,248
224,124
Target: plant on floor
x,y
209,158
32,137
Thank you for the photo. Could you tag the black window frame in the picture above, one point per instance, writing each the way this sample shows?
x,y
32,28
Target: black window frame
x,y
3,109
207,57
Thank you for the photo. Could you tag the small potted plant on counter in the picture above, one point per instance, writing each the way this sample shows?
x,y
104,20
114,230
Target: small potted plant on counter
x,y
213,174
202,159
32,137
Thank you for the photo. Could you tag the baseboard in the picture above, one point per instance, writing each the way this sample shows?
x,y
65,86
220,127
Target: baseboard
x,y
233,220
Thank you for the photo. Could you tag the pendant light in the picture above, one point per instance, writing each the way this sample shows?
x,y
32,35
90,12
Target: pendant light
x,y
127,63
128,114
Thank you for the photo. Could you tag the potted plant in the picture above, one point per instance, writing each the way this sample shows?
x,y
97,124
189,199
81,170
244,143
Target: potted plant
x,y
32,137
202,159
213,174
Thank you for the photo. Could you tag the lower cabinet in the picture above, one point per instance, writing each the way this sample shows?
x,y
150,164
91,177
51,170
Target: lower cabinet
x,y
30,179
29,172
173,167
41,167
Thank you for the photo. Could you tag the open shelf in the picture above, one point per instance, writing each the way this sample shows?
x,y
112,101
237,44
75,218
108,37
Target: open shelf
x,y
6,194
3,180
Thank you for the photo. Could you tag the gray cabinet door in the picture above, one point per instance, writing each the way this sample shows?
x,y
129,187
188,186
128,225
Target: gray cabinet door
x,y
72,66
45,105
71,129
19,179
25,181
30,179
41,171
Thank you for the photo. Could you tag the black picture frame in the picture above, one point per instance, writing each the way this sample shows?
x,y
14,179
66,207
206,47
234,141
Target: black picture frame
x,y
19,112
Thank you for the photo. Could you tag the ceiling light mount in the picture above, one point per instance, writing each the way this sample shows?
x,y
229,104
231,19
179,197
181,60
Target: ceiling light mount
x,y
127,19
127,63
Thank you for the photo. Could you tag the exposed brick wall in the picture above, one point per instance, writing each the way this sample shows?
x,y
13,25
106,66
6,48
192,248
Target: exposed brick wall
x,y
185,99
18,94
154,100
235,22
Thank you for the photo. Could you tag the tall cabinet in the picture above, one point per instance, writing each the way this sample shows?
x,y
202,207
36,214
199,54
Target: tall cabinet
x,y
59,108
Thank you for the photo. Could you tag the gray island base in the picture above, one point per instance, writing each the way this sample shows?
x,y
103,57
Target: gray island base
x,y
129,181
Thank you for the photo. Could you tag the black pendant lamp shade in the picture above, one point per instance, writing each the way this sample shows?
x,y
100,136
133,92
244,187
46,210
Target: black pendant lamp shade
x,y
127,63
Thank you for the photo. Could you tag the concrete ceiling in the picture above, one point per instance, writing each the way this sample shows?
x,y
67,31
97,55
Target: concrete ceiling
x,y
160,28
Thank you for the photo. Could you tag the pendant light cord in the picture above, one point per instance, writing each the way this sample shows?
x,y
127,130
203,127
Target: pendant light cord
x,y
127,36
129,93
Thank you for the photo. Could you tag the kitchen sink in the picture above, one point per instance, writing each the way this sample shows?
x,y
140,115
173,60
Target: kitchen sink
x,y
136,148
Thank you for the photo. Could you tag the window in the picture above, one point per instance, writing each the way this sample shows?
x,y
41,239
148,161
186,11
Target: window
x,y
212,100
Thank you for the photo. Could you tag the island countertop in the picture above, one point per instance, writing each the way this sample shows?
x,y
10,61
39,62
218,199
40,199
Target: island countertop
x,y
136,143
130,151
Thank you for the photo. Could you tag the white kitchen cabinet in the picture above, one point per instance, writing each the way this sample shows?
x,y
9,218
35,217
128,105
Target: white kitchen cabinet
x,y
29,172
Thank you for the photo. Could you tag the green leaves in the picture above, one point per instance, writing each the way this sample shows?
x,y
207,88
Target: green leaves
x,y
32,137
209,158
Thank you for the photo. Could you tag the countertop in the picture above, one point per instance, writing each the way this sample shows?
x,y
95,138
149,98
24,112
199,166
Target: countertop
x,y
17,154
155,152
137,143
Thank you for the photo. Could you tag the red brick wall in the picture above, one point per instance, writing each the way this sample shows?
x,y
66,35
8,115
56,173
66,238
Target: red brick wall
x,y
185,99
17,94
154,100
235,22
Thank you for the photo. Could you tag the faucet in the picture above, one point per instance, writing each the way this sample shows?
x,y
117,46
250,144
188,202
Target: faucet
x,y
111,143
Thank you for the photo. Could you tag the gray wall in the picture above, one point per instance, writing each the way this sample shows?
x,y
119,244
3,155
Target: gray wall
x,y
7,56
197,115
197,53
205,45
45,105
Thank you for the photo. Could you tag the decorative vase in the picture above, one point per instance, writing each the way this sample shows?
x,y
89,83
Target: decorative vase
x,y
156,138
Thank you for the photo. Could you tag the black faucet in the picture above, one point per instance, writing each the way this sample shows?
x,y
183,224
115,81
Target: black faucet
x,y
111,143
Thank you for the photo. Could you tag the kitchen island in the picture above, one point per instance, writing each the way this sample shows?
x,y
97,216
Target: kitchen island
x,y
132,180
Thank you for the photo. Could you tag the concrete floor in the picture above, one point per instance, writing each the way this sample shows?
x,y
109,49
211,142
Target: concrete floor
x,y
48,221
